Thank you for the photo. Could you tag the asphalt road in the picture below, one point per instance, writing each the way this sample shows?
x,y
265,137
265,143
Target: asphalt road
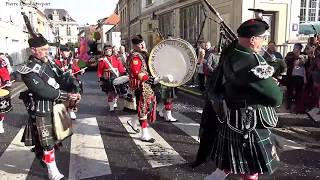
x,y
103,147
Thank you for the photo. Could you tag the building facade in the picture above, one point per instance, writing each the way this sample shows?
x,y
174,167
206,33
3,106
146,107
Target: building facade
x,y
184,19
124,22
64,27
13,32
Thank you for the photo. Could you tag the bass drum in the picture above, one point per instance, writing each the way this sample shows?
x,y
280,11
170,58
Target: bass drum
x,y
174,58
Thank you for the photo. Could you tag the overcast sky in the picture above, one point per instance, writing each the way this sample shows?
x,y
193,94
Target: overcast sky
x,y
85,11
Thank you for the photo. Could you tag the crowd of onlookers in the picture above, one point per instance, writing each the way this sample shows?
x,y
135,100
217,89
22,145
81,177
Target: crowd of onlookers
x,y
298,72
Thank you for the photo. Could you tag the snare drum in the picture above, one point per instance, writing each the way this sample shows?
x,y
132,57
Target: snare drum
x,y
5,101
121,85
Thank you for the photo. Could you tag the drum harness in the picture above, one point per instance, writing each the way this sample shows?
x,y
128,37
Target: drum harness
x,y
113,70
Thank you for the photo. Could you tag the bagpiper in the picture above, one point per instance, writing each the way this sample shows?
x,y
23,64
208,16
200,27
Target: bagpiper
x,y
141,79
41,76
241,131
109,68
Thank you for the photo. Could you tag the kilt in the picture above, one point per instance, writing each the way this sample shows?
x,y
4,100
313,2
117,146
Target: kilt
x,y
39,129
256,154
107,86
147,103
167,92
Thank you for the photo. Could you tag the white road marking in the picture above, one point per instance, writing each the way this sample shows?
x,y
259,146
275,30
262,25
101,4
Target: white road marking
x,y
187,125
16,161
159,153
88,157
16,93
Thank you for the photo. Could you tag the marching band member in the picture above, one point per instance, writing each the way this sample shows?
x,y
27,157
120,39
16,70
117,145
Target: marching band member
x,y
167,96
109,68
143,81
41,77
4,82
69,65
241,131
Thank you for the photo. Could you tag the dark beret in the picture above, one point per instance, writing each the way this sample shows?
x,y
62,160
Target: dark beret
x,y
252,27
137,39
37,41
65,48
298,45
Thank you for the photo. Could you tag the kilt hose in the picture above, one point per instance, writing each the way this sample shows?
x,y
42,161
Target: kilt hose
x,y
39,130
256,154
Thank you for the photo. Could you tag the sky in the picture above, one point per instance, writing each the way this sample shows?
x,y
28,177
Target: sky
x,y
85,11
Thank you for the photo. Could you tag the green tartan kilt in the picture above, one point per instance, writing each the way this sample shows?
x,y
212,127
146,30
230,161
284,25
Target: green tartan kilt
x,y
256,154
167,92
39,129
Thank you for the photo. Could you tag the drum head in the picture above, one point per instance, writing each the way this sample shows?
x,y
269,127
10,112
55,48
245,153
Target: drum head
x,y
4,92
120,80
174,57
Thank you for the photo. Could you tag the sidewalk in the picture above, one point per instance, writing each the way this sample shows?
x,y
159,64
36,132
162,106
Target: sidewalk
x,y
285,117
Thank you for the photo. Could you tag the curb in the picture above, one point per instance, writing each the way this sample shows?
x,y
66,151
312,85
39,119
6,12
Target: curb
x,y
285,119
190,91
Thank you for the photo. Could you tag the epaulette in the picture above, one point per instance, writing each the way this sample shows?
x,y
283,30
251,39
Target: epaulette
x,y
30,67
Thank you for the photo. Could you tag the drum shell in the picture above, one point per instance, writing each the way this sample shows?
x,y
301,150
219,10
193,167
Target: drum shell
x,y
121,85
5,103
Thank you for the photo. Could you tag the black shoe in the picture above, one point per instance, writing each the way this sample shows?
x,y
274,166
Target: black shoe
x,y
149,140
135,130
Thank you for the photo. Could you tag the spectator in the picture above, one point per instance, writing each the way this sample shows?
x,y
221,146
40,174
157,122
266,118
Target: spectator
x,y
211,61
123,55
201,77
275,59
296,78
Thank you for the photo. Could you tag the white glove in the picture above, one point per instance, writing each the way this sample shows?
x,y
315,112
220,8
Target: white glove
x,y
168,78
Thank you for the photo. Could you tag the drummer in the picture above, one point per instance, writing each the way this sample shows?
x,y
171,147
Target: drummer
x,y
5,83
144,91
167,95
106,75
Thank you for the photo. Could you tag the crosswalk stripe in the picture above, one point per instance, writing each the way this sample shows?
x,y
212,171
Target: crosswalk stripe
x,y
88,157
16,161
187,125
158,154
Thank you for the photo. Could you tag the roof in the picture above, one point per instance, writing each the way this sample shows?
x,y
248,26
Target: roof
x,y
62,13
114,19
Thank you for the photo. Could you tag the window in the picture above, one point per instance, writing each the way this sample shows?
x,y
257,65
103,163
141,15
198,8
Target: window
x,y
56,30
108,37
149,2
64,18
191,18
68,31
312,15
166,24
50,16
303,11
312,10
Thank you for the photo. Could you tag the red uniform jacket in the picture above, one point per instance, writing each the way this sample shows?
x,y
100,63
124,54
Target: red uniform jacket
x,y
137,73
4,73
104,69
62,63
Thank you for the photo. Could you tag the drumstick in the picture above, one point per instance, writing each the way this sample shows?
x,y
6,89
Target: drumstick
x,y
6,84
79,71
